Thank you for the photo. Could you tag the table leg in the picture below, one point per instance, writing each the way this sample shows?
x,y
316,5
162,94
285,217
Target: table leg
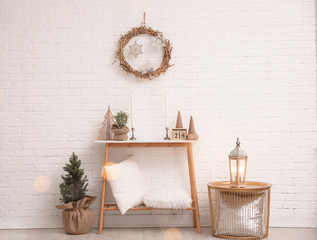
x,y
103,192
193,188
211,212
268,214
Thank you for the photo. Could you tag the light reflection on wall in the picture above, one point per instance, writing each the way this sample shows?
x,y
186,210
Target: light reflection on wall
x,y
41,184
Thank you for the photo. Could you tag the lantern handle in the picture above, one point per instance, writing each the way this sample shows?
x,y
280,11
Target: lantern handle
x,y
238,142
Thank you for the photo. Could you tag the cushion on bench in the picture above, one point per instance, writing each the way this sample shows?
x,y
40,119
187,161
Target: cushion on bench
x,y
168,199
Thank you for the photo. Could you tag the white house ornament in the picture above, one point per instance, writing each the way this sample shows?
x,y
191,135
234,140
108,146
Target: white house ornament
x,y
135,49
158,42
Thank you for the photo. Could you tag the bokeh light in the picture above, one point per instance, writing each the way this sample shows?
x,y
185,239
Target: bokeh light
x,y
41,184
114,173
172,234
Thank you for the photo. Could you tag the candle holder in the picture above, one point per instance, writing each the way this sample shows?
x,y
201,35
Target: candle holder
x,y
132,138
167,138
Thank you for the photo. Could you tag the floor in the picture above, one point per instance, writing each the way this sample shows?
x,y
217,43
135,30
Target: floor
x,y
148,233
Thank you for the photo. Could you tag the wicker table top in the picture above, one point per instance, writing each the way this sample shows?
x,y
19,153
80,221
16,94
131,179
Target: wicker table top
x,y
249,186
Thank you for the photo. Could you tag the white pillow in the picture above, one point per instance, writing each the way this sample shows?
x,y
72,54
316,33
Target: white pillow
x,y
127,185
168,199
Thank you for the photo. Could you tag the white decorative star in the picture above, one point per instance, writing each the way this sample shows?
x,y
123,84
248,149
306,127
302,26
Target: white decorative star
x,y
147,67
158,42
135,49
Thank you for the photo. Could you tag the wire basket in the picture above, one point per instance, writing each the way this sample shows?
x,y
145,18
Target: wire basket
x,y
239,213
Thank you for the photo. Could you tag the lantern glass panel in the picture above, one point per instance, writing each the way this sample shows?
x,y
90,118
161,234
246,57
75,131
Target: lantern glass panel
x,y
235,168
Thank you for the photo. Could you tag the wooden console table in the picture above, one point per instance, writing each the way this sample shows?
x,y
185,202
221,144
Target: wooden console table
x,y
132,144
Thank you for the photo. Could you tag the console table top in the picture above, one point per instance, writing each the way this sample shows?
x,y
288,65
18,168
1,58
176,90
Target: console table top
x,y
146,141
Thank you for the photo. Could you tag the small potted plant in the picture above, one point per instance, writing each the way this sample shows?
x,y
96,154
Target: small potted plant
x,y
78,217
120,129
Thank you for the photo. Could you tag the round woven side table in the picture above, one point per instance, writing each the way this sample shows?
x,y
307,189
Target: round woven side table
x,y
239,213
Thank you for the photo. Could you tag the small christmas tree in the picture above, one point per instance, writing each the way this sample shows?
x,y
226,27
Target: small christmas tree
x,y
74,185
105,131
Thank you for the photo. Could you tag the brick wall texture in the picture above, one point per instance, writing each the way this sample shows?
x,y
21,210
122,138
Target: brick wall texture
x,y
242,68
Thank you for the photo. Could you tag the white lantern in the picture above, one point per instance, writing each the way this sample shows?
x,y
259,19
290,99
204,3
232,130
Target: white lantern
x,y
238,166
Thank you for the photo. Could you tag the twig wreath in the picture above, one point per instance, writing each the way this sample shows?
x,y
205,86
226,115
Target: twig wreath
x,y
125,39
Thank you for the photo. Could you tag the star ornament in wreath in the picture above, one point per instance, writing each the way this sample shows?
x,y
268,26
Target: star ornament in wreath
x,y
135,49
147,67
158,42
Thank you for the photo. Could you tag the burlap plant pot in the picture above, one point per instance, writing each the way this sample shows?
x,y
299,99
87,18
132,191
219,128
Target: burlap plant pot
x,y
78,217
120,134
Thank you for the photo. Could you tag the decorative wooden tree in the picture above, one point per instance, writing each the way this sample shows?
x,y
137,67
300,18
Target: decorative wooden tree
x,y
105,132
179,123
192,135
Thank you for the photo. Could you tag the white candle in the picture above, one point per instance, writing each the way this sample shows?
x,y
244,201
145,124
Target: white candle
x,y
131,102
166,109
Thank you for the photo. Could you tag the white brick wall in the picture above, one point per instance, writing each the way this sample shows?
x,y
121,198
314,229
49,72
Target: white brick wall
x,y
242,68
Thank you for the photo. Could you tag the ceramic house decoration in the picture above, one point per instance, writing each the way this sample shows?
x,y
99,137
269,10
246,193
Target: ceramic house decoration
x,y
179,133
